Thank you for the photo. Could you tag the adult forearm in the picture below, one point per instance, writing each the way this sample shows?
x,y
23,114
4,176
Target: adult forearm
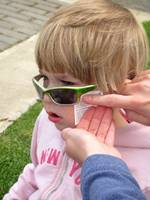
x,y
107,177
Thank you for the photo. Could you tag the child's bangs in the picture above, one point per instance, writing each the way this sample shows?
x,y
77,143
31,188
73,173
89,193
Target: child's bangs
x,y
49,53
60,49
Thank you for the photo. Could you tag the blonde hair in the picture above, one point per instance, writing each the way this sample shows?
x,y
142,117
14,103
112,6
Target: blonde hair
x,y
96,41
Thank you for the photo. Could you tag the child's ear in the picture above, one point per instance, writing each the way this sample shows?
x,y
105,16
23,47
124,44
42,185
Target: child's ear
x,y
131,76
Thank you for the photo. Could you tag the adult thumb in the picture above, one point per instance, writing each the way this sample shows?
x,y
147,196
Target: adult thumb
x,y
66,133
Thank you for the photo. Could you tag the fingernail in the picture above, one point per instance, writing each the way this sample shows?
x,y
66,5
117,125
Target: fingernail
x,y
124,114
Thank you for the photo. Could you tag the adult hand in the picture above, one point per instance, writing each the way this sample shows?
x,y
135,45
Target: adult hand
x,y
134,97
80,144
94,135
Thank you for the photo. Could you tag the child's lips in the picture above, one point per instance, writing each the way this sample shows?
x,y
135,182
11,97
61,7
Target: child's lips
x,y
54,117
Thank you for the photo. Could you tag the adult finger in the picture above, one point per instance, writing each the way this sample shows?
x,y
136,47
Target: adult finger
x,y
66,133
109,100
133,116
133,88
142,74
145,72
85,120
141,78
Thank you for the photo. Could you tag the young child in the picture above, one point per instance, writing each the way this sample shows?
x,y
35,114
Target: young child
x,y
92,43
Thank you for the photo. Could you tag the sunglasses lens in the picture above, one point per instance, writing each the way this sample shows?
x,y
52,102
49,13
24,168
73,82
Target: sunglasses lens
x,y
60,95
63,96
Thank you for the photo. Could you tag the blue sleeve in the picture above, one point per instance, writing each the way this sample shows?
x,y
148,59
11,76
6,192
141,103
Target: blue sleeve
x,y
105,177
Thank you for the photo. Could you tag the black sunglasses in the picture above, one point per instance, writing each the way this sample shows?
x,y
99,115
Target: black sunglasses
x,y
63,94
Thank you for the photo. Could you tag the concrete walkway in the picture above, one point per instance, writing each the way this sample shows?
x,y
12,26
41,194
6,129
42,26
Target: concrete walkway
x,y
17,64
20,19
17,67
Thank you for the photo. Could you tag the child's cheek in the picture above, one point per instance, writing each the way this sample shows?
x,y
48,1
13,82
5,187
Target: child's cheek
x,y
69,117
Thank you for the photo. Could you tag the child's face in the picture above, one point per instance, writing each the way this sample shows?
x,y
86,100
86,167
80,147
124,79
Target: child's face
x,y
61,115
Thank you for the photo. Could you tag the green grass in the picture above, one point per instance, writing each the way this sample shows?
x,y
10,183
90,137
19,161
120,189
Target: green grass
x,y
15,142
147,28
15,148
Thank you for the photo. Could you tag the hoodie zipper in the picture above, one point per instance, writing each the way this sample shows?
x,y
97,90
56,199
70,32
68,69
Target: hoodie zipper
x,y
59,179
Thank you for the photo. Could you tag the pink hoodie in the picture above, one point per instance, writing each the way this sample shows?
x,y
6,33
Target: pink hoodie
x,y
53,175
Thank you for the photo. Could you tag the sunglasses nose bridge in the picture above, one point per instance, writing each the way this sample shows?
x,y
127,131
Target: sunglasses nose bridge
x,y
47,97
78,96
